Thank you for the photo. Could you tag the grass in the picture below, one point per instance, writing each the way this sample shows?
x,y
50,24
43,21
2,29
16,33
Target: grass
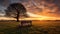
x,y
39,27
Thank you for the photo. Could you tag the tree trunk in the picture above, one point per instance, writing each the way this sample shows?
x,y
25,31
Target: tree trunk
x,y
17,17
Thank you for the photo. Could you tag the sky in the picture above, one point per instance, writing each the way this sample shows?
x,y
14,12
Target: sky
x,y
49,8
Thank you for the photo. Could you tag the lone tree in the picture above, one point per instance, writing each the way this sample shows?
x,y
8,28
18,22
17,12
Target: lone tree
x,y
16,10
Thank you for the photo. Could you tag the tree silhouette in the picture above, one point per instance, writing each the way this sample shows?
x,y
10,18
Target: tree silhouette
x,y
16,10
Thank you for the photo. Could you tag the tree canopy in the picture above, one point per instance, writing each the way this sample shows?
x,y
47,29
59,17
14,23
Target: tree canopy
x,y
16,10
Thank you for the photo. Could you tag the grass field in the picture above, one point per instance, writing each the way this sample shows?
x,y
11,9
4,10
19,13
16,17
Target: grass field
x,y
38,27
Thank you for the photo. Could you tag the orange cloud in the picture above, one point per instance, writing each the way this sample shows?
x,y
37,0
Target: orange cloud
x,y
42,7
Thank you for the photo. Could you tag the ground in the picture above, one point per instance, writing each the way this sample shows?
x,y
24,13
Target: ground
x,y
38,27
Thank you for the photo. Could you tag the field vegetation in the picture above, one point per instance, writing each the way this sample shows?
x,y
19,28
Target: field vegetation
x,y
38,27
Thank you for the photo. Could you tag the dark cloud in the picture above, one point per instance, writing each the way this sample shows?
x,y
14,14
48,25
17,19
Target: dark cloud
x,y
24,0
31,7
1,2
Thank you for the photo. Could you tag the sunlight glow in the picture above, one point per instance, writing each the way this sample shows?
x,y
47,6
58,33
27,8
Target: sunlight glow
x,y
38,16
32,17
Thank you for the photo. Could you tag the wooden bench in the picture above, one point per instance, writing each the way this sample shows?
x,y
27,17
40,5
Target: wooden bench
x,y
27,23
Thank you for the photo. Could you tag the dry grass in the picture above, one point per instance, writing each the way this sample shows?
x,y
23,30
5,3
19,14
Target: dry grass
x,y
39,27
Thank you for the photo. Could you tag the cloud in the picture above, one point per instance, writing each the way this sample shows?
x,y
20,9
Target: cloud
x,y
42,7
48,8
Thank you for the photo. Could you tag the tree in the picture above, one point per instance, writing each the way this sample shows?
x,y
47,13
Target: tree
x,y
16,10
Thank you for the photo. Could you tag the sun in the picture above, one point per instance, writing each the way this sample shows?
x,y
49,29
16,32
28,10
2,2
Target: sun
x,y
39,17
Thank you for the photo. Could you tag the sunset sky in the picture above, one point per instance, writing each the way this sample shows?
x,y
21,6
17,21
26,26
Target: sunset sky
x,y
36,8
